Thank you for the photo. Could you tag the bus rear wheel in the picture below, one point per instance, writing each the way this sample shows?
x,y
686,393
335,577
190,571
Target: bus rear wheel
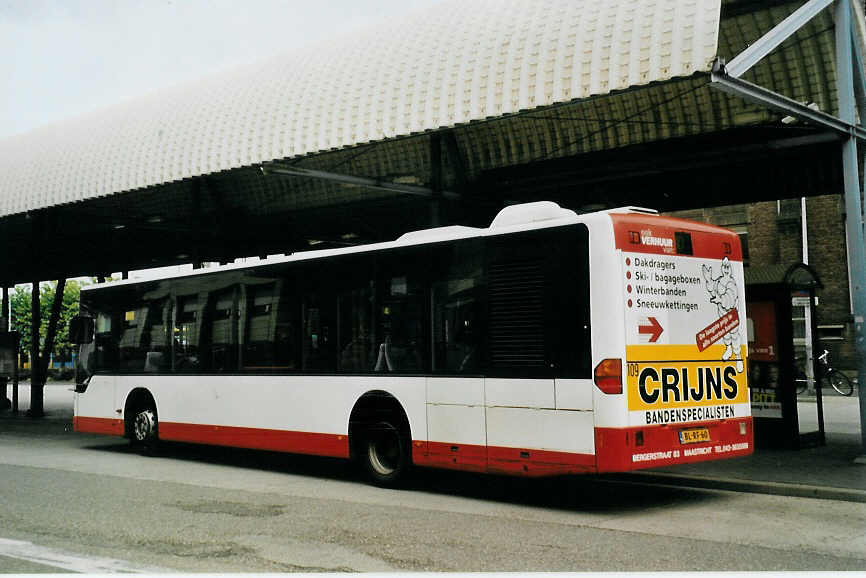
x,y
384,454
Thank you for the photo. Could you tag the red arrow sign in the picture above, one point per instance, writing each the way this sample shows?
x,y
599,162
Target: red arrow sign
x,y
654,329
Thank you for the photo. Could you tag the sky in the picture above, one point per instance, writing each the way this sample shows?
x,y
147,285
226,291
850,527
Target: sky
x,y
63,58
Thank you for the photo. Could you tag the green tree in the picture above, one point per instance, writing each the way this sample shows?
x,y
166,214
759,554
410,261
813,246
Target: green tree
x,y
19,302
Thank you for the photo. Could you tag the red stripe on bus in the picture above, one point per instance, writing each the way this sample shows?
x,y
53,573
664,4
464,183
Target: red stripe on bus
x,y
504,460
98,425
333,445
618,451
297,442
641,233
452,456
616,448
532,462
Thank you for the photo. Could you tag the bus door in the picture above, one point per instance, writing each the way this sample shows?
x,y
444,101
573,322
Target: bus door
x,y
102,353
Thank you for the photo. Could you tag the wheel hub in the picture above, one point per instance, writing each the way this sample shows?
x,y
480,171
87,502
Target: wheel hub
x,y
144,425
384,452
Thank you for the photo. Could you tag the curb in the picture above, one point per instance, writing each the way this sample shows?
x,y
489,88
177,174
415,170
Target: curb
x,y
755,487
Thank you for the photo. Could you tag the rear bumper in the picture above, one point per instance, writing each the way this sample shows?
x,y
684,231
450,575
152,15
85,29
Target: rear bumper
x,y
618,449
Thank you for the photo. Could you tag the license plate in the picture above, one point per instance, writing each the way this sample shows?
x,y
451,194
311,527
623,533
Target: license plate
x,y
694,436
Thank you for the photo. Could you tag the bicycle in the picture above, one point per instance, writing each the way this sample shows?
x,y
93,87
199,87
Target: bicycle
x,y
837,380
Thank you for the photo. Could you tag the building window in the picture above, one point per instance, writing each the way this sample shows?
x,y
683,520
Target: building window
x,y
831,332
788,210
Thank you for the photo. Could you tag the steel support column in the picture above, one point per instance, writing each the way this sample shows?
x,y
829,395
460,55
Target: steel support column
x,y
37,231
859,76
5,403
853,209
36,382
436,179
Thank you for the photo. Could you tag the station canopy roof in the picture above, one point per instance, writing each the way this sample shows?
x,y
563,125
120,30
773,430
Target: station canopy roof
x,y
590,103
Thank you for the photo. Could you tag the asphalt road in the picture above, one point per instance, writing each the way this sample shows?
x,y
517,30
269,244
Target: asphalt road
x,y
75,502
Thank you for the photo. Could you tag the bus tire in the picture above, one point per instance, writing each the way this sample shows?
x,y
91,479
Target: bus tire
x,y
143,426
384,454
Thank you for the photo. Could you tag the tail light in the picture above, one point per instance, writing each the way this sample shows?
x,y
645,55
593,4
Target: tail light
x,y
608,375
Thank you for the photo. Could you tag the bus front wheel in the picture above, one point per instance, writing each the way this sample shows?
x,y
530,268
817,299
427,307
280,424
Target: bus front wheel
x,y
143,431
385,454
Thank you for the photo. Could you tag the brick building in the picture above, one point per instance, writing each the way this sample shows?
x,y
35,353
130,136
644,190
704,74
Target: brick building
x,y
772,234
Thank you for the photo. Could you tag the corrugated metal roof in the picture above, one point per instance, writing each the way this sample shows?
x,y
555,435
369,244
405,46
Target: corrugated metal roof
x,y
794,275
453,64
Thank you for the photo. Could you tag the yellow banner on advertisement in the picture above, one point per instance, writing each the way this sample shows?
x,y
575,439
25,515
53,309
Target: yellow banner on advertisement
x,y
678,376
688,352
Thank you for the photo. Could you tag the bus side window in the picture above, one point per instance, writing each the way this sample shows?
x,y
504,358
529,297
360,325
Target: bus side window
x,y
154,340
357,348
186,333
260,331
319,339
130,331
402,312
270,323
288,329
457,307
130,350
220,353
105,343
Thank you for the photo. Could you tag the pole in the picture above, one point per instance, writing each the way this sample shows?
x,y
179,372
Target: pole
x,y
15,374
4,311
436,180
36,406
810,366
53,318
853,211
4,327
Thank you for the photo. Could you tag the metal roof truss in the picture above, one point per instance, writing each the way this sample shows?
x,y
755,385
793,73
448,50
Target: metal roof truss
x,y
726,77
379,184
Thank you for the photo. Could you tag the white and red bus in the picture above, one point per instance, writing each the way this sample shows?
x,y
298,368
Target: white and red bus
x,y
548,343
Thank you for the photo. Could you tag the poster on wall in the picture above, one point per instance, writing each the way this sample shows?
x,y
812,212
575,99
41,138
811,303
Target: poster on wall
x,y
763,359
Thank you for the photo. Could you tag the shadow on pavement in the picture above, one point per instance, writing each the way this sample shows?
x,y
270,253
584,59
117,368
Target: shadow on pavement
x,y
800,472
583,493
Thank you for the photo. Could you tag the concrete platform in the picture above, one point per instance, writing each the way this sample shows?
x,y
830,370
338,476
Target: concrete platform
x,y
828,471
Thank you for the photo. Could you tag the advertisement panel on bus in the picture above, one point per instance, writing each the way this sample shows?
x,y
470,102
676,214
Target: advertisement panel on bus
x,y
686,344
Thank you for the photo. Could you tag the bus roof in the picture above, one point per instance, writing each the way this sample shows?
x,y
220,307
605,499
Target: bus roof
x,y
511,219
